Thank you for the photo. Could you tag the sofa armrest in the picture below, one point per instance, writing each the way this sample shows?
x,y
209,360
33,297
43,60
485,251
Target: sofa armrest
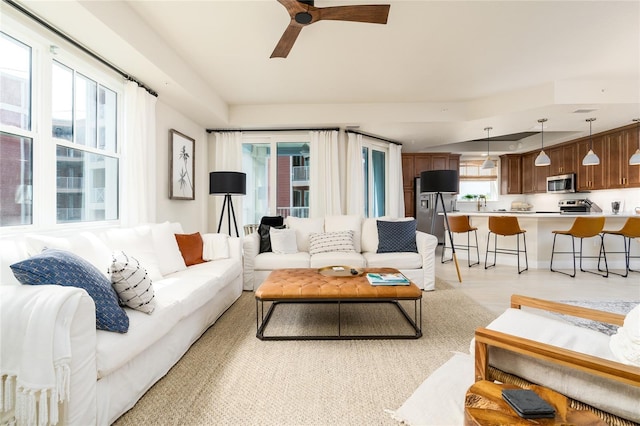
x,y
583,362
79,327
250,249
235,248
427,244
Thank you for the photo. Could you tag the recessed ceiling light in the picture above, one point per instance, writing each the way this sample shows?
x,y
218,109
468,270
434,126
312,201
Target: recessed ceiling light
x,y
583,111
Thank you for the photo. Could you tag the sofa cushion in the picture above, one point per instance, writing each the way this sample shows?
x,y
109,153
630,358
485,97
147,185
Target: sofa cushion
x,y
283,241
137,242
396,237
270,261
190,246
352,259
132,283
393,260
328,242
166,247
346,223
304,227
85,244
215,246
60,267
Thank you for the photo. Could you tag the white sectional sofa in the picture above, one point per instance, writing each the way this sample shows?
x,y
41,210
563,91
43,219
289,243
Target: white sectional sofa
x,y
109,371
418,266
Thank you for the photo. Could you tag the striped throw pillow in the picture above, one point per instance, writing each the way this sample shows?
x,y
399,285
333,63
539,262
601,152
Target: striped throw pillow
x,y
341,241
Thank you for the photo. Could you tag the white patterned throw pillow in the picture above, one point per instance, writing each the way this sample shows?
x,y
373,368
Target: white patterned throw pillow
x,y
341,241
132,283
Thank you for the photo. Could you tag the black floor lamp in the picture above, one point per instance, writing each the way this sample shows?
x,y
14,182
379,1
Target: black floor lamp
x,y
440,181
228,183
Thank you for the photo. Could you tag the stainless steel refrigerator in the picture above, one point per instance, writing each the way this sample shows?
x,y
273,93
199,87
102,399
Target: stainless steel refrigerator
x,y
426,217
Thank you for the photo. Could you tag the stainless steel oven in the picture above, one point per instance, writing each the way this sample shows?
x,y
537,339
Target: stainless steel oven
x,y
561,183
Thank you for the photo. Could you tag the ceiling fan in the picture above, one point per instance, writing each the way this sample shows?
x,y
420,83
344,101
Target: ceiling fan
x,y
304,13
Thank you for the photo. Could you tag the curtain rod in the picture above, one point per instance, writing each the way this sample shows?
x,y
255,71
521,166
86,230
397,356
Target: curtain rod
x,y
357,132
307,129
78,45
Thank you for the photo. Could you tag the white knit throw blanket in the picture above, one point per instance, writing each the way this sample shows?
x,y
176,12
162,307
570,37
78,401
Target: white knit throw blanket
x,y
35,350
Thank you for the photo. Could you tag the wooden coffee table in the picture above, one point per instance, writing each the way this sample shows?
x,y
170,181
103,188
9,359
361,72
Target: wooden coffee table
x,y
484,405
303,285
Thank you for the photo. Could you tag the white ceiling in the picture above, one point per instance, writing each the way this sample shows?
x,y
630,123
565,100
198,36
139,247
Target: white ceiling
x,y
436,74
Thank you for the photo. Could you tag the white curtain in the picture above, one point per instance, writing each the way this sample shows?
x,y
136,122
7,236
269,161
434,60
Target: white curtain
x,y
138,160
395,196
324,179
354,178
228,158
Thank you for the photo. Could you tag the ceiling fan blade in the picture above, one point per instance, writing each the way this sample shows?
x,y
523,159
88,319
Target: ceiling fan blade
x,y
374,14
286,41
293,7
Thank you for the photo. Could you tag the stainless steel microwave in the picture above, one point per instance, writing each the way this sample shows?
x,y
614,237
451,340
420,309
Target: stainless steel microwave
x,y
562,183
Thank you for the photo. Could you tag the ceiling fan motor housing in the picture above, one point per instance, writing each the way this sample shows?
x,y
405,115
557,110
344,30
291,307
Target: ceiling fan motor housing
x,y
303,18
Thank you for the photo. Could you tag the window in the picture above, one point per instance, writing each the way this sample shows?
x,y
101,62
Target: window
x,y
375,178
58,134
476,181
276,185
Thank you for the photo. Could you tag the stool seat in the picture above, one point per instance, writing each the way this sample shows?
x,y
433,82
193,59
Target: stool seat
x,y
630,230
461,225
506,226
582,227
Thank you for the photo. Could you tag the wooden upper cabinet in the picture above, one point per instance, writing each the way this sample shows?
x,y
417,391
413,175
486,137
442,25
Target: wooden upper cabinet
x,y
619,147
511,174
534,178
422,163
454,162
440,162
591,177
563,160
408,171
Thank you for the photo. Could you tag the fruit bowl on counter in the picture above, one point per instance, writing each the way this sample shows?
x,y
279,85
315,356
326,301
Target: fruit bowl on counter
x,y
521,207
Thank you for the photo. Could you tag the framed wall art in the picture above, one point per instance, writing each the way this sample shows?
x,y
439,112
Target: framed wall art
x,y
181,166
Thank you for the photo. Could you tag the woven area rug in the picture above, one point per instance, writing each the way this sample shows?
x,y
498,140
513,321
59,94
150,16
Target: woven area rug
x,y
616,306
230,377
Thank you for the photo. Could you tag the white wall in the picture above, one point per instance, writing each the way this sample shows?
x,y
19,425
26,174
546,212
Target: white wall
x,y
191,213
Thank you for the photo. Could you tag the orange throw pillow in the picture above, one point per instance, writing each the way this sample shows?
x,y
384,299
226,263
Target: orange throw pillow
x,y
190,246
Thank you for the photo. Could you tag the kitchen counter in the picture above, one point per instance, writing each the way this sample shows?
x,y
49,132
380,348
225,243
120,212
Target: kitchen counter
x,y
539,238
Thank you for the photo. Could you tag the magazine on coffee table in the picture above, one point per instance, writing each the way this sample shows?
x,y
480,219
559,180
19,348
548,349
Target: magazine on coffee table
x,y
395,278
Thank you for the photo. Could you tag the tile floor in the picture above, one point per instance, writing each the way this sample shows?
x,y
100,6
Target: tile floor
x,y
493,287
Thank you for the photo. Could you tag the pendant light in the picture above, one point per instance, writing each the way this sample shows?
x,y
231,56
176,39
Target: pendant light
x,y
635,158
542,159
488,163
591,159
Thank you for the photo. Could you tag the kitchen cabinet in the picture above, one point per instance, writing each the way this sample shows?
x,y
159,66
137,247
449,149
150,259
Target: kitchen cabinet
x,y
408,171
534,178
619,147
511,174
563,159
591,177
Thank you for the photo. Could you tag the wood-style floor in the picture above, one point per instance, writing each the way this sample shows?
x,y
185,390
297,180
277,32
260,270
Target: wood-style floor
x,y
493,287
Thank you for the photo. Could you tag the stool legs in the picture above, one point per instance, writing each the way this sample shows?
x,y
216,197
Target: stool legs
x,y
515,252
601,255
468,249
627,256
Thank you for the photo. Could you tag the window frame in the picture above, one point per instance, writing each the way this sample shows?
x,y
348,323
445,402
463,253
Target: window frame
x,y
45,48
370,145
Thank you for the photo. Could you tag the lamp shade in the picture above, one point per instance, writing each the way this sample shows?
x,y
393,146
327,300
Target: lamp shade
x,y
635,158
227,183
488,164
542,159
591,159
439,181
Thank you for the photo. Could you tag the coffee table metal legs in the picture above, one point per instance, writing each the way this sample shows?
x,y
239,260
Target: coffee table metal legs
x,y
263,319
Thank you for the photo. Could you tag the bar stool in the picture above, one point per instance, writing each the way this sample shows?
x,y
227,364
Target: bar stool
x,y
630,229
459,225
583,227
506,226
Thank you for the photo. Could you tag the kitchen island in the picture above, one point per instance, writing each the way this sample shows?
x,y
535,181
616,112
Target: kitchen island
x,y
539,236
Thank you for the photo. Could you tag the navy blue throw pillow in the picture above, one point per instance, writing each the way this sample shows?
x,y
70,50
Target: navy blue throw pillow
x,y
396,237
61,267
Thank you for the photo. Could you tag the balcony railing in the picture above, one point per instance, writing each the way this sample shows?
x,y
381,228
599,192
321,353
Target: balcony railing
x,y
69,182
300,173
69,214
293,211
